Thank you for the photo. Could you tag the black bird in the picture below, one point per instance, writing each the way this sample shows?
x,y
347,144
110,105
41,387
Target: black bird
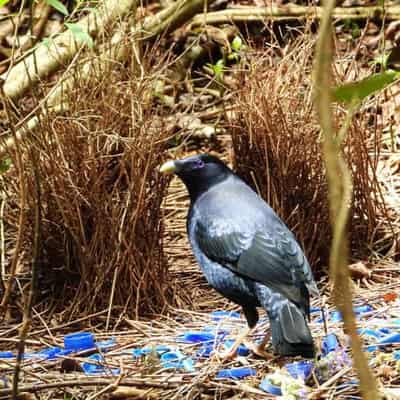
x,y
247,253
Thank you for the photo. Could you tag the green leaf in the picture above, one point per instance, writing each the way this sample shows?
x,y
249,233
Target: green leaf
x,y
358,91
3,2
237,43
79,34
58,6
5,165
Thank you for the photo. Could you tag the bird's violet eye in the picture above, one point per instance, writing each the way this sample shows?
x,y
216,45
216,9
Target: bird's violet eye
x,y
199,164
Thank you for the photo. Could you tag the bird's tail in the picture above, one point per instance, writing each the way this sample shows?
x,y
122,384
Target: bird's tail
x,y
290,333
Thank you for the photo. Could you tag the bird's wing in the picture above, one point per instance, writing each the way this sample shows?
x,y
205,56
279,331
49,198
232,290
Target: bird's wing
x,y
274,259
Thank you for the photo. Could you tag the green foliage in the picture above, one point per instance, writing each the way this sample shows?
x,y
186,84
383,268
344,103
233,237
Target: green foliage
x,y
56,4
354,92
381,60
218,69
5,165
79,34
3,2
237,46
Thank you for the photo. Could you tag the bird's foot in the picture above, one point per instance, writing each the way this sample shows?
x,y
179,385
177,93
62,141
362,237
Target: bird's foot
x,y
259,350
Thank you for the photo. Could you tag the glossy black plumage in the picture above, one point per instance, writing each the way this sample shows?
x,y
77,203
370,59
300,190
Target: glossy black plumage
x,y
247,253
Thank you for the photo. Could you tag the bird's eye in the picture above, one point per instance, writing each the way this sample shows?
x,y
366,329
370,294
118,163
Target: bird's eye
x,y
199,164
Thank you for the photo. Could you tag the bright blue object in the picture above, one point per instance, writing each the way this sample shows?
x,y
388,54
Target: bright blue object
x,y
315,310
396,355
329,343
336,316
96,367
79,341
242,350
175,359
159,349
363,309
300,369
391,338
370,332
205,350
218,315
197,337
51,353
371,348
6,354
268,387
384,331
105,344
236,373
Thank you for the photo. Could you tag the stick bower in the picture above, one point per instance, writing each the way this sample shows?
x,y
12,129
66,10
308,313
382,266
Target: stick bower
x,y
101,198
277,148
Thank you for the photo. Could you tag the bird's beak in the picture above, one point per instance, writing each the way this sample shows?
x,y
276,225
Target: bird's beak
x,y
168,167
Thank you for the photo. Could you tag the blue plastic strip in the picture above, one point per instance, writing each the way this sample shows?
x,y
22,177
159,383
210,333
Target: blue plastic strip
x,y
236,373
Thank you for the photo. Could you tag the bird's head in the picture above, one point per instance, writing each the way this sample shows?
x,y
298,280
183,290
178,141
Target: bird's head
x,y
199,173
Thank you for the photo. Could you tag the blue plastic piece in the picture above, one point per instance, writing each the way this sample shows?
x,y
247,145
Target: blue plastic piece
x,y
314,310
197,337
96,368
105,344
371,348
51,353
205,350
370,332
6,354
159,349
79,341
384,331
329,343
268,387
242,350
219,315
396,355
175,359
363,309
236,373
391,338
336,316
300,369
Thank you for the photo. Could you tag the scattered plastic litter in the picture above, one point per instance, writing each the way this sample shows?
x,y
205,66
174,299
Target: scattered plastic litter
x,y
390,339
175,359
336,316
396,355
159,349
79,341
220,315
363,309
300,369
236,373
96,366
268,387
197,337
242,350
6,354
329,343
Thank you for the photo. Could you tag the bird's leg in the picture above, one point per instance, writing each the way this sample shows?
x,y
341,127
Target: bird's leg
x,y
228,355
259,348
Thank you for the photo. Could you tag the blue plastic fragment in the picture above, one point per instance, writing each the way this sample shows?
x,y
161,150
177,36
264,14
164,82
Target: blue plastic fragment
x,y
205,350
370,332
236,373
268,387
329,343
95,367
396,355
372,348
51,353
336,316
175,359
218,315
363,309
197,337
79,341
391,338
6,354
315,310
105,344
242,350
159,349
384,331
300,369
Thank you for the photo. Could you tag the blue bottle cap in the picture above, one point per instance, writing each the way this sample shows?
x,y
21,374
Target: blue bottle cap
x,y
300,369
236,373
242,350
219,315
329,343
6,354
197,337
79,341
268,387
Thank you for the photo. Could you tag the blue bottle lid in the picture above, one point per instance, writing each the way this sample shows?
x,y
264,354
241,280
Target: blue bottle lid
x,y
79,341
